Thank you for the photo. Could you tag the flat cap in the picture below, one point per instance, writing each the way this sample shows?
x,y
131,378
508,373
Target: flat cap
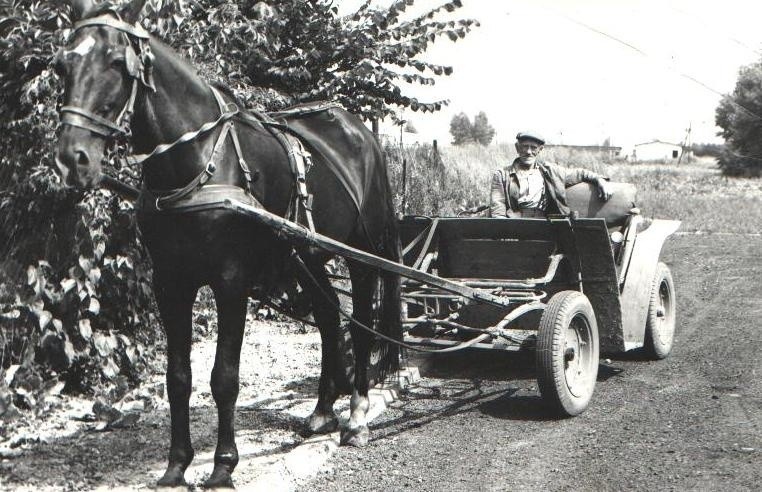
x,y
530,136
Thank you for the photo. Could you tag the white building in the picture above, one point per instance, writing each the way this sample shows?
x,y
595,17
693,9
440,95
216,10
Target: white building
x,y
656,150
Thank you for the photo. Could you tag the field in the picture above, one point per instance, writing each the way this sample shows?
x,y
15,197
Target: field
x,y
694,192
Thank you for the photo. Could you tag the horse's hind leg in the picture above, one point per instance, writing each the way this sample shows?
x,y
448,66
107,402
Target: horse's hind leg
x,y
323,419
175,300
364,281
231,298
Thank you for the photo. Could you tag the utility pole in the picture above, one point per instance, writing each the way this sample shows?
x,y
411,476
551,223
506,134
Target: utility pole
x,y
686,142
404,170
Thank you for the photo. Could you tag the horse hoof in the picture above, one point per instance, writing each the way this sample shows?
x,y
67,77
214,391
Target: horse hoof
x,y
219,479
172,478
322,424
357,437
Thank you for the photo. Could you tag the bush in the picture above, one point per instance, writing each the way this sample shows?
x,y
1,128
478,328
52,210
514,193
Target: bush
x,y
74,293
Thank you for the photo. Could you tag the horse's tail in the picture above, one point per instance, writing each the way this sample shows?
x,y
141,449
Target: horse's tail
x,y
391,322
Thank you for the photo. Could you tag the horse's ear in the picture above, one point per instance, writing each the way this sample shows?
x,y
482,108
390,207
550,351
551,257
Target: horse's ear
x,y
130,13
80,8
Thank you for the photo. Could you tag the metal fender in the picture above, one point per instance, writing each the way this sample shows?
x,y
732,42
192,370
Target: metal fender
x,y
636,292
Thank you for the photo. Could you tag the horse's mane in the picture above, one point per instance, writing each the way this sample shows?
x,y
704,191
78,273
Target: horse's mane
x,y
225,89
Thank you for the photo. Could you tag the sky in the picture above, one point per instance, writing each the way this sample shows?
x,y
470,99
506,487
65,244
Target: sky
x,y
581,71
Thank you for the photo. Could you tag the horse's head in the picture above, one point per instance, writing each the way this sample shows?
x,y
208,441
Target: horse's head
x,y
103,66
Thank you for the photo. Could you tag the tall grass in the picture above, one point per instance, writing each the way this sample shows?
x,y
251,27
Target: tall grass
x,y
455,178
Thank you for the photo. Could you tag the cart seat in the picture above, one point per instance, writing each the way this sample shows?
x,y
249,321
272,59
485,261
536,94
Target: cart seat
x,y
583,198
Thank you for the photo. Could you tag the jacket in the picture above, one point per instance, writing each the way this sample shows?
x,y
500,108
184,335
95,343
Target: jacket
x,y
504,188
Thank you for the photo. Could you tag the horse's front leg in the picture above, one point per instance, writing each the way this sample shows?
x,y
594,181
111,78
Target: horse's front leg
x,y
175,300
231,298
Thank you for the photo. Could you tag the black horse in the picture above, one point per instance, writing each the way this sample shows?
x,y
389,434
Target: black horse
x,y
119,79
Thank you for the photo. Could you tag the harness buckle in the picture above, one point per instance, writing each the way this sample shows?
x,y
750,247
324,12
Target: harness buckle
x,y
211,167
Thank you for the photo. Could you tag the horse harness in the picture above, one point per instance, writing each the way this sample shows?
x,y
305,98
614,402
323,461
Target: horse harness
x,y
139,66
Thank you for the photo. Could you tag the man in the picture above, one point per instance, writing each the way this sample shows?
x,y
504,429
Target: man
x,y
532,188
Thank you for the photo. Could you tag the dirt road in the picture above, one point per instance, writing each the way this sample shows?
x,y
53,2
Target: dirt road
x,y
690,422
475,421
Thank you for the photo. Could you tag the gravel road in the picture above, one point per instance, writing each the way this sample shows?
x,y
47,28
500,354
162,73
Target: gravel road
x,y
475,421
690,422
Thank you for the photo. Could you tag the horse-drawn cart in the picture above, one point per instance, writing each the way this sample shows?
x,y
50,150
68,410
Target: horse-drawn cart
x,y
548,285
567,288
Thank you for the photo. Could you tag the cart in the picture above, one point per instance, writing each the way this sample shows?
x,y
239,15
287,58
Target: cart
x,y
566,288
575,287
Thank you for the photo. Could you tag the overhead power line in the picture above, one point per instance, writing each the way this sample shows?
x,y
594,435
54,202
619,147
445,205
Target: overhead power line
x,y
650,57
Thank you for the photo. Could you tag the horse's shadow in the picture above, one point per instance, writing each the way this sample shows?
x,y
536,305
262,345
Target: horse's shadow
x,y
128,457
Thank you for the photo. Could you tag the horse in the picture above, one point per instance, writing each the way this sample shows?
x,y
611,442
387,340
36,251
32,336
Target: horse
x,y
120,82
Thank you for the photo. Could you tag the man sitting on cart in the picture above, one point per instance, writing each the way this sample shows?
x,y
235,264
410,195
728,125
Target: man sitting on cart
x,y
530,187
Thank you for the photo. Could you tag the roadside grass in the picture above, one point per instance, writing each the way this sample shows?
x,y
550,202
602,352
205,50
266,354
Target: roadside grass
x,y
694,192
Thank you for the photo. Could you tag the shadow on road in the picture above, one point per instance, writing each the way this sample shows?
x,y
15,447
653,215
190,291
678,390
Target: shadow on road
x,y
125,457
498,384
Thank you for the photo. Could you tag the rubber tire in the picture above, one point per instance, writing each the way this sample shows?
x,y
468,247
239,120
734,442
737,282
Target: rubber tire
x,y
563,309
660,330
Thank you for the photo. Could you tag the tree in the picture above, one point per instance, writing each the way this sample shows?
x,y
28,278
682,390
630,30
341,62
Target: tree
x,y
483,132
461,129
306,52
740,116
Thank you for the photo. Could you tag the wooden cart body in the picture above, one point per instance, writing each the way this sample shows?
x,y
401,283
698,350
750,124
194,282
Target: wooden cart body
x,y
529,260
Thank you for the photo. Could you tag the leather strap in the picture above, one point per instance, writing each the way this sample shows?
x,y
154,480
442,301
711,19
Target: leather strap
x,y
110,21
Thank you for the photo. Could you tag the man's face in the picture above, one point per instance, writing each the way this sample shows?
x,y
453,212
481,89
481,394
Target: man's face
x,y
528,150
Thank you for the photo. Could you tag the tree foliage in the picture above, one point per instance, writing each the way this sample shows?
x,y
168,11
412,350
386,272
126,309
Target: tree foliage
x,y
304,51
74,294
74,278
464,131
482,130
740,116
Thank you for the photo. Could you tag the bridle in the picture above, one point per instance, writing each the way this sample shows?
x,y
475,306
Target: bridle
x,y
139,69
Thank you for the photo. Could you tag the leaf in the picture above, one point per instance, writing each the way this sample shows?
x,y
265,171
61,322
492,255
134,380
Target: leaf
x,y
95,306
109,368
31,275
99,249
10,373
85,263
44,319
67,284
102,345
85,329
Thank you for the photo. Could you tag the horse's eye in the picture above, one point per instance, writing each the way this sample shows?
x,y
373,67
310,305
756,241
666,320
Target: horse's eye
x,y
118,62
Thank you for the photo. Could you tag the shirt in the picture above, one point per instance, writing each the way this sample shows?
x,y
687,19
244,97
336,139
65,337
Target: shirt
x,y
504,197
531,188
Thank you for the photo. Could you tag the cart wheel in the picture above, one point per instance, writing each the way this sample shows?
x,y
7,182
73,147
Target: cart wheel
x,y
567,353
660,324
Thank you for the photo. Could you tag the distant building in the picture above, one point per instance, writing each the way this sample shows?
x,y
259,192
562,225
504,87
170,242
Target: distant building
x,y
656,150
606,151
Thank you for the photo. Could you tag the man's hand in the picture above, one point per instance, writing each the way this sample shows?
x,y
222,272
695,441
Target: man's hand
x,y
604,189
